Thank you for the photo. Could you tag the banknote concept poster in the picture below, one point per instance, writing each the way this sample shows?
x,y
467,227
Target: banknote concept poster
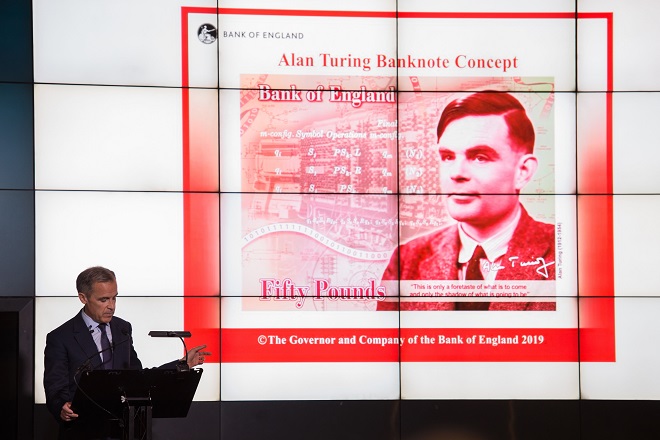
x,y
332,160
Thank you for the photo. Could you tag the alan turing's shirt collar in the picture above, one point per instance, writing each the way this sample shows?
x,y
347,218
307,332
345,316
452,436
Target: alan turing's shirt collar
x,y
495,247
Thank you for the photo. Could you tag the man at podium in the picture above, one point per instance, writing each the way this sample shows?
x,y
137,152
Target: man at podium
x,y
93,339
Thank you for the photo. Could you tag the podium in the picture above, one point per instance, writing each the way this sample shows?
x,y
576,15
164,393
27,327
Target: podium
x,y
134,397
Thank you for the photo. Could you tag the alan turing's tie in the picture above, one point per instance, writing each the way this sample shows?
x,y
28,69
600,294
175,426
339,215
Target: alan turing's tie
x,y
473,271
106,349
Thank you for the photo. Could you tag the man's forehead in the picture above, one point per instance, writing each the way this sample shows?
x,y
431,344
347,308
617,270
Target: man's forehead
x,y
470,131
102,289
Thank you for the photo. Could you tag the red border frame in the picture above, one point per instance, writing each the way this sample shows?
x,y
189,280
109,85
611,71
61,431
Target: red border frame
x,y
596,333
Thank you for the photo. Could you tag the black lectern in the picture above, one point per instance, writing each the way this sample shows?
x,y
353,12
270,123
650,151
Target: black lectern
x,y
135,396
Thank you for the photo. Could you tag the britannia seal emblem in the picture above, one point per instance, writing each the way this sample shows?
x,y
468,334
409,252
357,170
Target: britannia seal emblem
x,y
207,33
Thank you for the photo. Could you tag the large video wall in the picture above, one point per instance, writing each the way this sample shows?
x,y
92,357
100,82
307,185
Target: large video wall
x,y
272,177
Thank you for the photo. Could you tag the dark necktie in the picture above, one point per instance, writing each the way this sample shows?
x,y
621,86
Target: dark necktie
x,y
105,348
473,271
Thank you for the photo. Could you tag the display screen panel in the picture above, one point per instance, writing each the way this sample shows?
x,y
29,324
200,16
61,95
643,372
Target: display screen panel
x,y
116,44
628,27
547,50
634,157
325,351
486,354
17,242
304,42
122,138
629,377
86,228
634,228
17,128
329,165
339,136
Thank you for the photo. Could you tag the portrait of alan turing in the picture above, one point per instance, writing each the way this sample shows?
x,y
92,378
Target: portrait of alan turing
x,y
485,143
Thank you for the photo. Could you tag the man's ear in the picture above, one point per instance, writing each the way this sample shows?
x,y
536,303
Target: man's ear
x,y
82,297
527,166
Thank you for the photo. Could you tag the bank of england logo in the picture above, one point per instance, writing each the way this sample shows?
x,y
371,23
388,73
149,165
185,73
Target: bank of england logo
x,y
207,33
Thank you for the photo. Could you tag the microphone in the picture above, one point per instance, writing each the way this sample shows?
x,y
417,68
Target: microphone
x,y
87,364
182,365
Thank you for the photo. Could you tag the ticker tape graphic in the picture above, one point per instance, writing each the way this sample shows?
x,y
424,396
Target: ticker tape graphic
x,y
273,228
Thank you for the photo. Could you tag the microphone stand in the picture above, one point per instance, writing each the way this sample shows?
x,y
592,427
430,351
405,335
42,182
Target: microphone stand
x,y
182,365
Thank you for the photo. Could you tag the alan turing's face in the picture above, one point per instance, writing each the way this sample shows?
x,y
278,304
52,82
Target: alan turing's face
x,y
100,304
480,173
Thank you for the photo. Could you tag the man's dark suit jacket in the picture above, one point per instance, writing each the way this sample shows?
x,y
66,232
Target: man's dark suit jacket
x,y
69,346
435,257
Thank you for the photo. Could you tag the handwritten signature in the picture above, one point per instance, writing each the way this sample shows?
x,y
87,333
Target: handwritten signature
x,y
542,268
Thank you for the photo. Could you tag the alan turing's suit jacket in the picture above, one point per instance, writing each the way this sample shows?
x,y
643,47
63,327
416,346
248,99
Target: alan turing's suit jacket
x,y
70,346
530,256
